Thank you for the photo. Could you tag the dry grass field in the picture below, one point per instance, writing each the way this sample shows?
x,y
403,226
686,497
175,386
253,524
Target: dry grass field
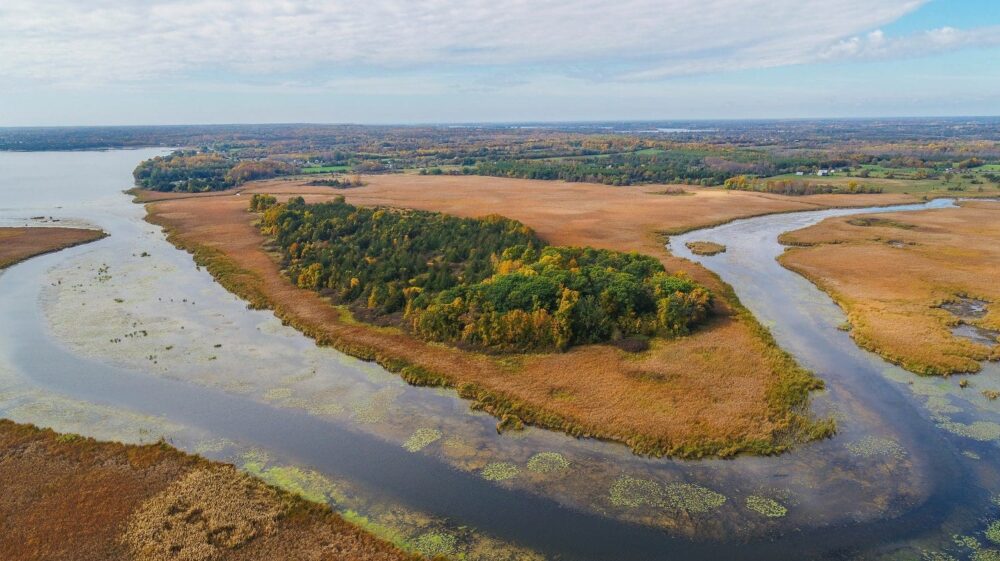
x,y
68,498
890,273
18,244
724,390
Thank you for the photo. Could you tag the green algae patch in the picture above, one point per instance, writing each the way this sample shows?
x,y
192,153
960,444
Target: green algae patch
x,y
765,506
435,543
421,438
693,498
547,462
309,484
876,446
499,471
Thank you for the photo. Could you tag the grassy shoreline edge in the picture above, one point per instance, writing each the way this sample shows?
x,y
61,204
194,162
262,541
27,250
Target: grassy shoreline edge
x,y
788,395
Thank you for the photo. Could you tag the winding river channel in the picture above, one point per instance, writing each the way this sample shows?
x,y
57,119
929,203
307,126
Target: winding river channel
x,y
127,339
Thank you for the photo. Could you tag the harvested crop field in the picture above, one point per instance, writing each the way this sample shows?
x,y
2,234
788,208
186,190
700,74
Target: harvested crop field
x,y
726,389
18,244
68,497
892,272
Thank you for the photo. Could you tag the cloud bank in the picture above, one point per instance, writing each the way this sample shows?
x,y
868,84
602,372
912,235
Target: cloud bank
x,y
108,41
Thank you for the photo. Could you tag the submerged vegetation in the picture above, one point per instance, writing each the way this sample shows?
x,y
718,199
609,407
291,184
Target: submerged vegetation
x,y
488,283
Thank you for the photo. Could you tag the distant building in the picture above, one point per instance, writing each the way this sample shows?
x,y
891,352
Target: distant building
x,y
800,173
824,172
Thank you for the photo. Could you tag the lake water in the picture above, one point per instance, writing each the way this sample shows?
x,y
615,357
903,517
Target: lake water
x,y
126,339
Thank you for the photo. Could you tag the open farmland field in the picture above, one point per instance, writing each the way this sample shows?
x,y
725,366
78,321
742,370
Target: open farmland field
x,y
892,273
724,389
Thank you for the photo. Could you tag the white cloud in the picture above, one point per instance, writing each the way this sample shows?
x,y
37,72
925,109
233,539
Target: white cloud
x,y
876,46
119,41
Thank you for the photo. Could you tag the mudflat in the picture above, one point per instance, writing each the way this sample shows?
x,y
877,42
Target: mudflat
x,y
18,244
725,389
893,272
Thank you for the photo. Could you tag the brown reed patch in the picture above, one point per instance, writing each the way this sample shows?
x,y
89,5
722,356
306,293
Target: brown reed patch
x,y
67,497
728,388
891,280
18,244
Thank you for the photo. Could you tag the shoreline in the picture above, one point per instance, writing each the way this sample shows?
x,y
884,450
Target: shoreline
x,y
787,387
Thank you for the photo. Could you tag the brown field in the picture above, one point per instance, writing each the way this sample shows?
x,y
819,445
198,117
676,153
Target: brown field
x,y
726,389
69,498
890,272
18,244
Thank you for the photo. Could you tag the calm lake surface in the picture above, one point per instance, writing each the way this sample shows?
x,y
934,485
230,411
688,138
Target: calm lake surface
x,y
127,339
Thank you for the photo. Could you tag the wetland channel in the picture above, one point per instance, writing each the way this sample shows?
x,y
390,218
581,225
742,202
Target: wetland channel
x,y
127,339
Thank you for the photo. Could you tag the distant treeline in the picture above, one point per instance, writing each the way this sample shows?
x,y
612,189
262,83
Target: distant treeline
x,y
195,172
796,187
487,283
698,165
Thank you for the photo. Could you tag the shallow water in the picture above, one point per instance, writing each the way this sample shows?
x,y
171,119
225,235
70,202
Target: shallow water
x,y
126,339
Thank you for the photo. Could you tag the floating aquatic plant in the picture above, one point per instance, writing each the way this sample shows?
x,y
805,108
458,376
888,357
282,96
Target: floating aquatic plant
x,y
982,431
873,446
632,492
435,543
993,532
941,405
499,471
277,394
768,507
693,498
213,445
936,556
547,462
376,407
421,438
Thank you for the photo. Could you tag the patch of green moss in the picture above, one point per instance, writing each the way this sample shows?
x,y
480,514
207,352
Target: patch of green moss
x,y
499,471
765,506
547,462
421,438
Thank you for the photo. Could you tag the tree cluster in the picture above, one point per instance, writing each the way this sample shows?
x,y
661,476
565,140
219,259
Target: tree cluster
x,y
487,283
192,171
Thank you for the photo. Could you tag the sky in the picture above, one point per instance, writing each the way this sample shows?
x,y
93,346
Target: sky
x,y
121,62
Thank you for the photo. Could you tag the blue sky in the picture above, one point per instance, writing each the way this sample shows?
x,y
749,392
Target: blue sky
x,y
416,61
